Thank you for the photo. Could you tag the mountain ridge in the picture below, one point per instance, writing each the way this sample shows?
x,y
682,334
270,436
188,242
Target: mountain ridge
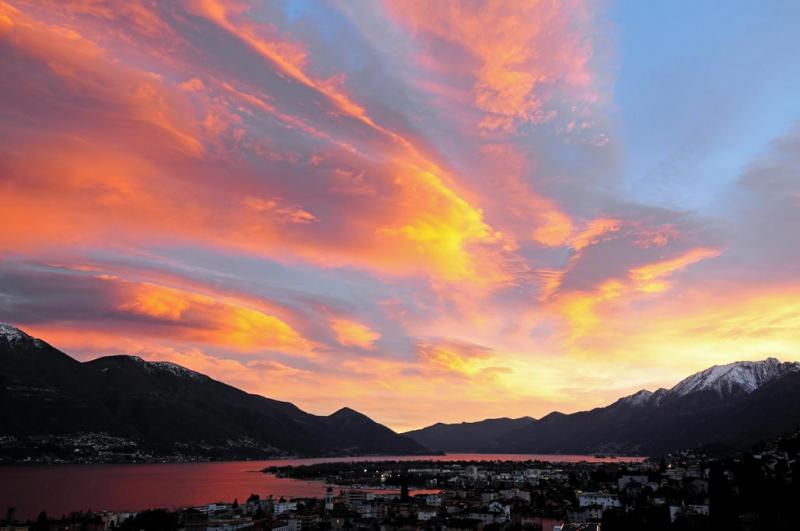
x,y
718,404
162,408
746,376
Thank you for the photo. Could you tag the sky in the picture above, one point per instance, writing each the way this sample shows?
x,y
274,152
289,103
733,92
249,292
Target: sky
x,y
427,212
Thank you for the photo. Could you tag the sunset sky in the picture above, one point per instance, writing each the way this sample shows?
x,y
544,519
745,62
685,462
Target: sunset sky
x,y
426,211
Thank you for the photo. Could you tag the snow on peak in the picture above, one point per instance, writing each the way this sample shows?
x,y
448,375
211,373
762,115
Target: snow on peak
x,y
744,376
638,398
174,368
11,334
159,367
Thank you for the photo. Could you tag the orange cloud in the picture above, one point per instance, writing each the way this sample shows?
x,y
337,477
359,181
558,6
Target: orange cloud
x,y
82,67
284,214
204,318
552,227
594,231
441,227
648,277
169,183
581,308
605,230
351,333
144,159
129,304
288,56
449,356
516,53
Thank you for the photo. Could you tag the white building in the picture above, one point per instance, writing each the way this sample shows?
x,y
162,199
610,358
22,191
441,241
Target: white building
x,y
283,506
600,499
586,514
369,510
433,500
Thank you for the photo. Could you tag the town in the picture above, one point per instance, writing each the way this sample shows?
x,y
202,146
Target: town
x,y
686,490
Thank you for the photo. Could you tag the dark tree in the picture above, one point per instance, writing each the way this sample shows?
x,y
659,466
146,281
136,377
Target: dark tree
x,y
42,522
152,520
404,488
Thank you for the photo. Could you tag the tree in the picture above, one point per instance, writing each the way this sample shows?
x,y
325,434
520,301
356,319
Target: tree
x,y
42,522
404,488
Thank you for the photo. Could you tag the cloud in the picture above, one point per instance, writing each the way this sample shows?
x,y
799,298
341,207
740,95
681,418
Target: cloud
x,y
517,55
149,156
456,357
123,307
351,333
290,214
649,278
423,213
766,209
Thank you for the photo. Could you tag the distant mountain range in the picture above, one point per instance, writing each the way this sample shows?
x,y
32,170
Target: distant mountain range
x,y
469,437
151,409
125,408
733,405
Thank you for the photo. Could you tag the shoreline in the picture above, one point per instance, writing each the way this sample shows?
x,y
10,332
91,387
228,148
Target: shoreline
x,y
368,457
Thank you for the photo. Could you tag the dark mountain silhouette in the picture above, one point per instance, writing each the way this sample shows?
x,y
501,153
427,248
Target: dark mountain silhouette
x,y
164,407
468,436
735,404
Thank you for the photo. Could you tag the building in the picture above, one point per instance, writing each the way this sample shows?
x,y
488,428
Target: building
x,y
578,527
600,499
354,498
433,500
626,480
585,515
494,513
282,506
687,510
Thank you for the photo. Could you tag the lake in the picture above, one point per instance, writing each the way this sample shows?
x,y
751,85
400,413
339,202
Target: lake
x,y
60,489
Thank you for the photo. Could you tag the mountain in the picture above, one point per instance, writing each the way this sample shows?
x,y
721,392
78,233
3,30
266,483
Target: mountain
x,y
51,401
742,376
356,432
467,436
735,404
126,408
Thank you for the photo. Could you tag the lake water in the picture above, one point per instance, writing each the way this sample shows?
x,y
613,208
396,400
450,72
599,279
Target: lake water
x,y
60,489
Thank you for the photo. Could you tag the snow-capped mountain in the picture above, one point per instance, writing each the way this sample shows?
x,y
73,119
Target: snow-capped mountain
x,y
175,369
725,380
740,376
639,398
733,405
13,335
166,409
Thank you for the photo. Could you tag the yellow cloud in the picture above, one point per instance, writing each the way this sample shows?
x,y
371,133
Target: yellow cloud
x,y
351,333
